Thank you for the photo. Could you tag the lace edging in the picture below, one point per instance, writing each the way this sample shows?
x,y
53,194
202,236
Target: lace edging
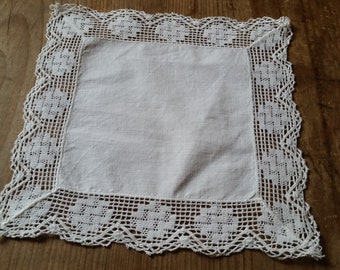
x,y
31,204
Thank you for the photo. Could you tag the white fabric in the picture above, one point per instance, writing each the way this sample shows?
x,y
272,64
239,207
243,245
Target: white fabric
x,y
161,120
162,132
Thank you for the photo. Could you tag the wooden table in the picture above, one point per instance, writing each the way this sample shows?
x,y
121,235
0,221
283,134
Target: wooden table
x,y
315,54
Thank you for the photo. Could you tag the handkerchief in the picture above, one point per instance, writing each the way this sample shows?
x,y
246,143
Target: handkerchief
x,y
162,132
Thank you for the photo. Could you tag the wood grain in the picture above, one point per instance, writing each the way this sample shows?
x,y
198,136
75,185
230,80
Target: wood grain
x,y
315,54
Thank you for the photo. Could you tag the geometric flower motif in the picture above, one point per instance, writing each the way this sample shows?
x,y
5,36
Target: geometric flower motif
x,y
41,150
281,224
290,219
74,24
61,62
272,118
277,167
260,31
33,214
153,220
271,40
23,198
267,74
216,223
171,31
51,104
90,215
125,27
219,35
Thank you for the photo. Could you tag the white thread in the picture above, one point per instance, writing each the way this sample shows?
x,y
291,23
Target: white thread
x,y
281,225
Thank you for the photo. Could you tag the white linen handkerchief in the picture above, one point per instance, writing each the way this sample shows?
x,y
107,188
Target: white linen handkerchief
x,y
162,132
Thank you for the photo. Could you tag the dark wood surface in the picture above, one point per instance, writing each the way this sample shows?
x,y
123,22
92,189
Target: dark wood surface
x,y
315,55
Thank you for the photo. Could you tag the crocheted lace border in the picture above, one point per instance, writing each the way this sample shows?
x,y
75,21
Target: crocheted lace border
x,y
279,223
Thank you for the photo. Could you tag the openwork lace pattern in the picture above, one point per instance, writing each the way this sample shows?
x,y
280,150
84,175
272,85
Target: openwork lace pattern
x,y
278,222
